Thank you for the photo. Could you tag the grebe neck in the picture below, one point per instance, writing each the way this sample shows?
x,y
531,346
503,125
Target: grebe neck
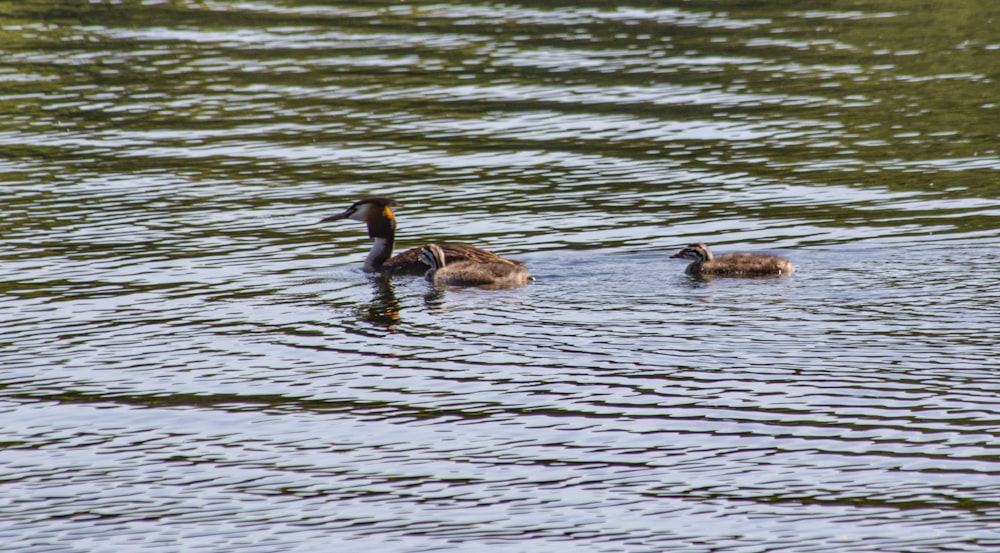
x,y
380,252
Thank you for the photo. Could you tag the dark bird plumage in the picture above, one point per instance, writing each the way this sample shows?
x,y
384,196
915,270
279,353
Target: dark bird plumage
x,y
704,264
377,214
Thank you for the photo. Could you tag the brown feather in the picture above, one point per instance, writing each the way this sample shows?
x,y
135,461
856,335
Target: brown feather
x,y
704,264
746,264
381,222
490,274
408,262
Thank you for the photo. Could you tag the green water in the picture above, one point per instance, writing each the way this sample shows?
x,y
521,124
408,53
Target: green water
x,y
191,361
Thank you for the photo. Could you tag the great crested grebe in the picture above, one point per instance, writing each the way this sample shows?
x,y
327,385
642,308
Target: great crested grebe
x,y
377,214
471,273
703,263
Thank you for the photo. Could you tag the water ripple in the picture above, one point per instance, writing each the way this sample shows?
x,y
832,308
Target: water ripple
x,y
191,360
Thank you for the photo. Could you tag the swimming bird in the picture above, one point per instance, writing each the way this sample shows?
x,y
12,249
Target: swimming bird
x,y
704,264
377,214
471,273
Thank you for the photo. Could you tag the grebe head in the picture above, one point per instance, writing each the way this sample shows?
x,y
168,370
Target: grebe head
x,y
433,256
375,212
698,253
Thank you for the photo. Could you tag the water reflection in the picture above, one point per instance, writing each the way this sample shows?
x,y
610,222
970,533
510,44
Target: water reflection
x,y
435,300
190,363
383,308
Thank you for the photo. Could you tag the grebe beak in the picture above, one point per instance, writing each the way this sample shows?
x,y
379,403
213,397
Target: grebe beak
x,y
338,216
676,255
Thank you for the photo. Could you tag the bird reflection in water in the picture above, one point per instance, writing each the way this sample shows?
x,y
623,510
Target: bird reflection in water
x,y
434,300
383,309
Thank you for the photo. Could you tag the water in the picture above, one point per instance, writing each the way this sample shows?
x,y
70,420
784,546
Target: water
x,y
191,362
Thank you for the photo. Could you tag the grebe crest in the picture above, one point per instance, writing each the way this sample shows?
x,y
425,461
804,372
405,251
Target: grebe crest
x,y
376,213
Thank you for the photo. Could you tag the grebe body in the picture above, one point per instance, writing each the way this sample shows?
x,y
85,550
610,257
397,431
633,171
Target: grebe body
x,y
704,264
377,214
490,274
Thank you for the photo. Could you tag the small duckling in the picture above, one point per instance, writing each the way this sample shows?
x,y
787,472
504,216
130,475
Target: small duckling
x,y
490,274
704,264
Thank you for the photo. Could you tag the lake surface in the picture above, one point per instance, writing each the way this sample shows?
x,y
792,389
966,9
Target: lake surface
x,y
191,362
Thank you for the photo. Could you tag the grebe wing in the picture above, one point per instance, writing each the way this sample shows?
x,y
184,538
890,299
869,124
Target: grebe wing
x,y
409,263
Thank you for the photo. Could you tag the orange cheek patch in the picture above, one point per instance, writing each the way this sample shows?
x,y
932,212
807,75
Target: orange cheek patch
x,y
381,223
